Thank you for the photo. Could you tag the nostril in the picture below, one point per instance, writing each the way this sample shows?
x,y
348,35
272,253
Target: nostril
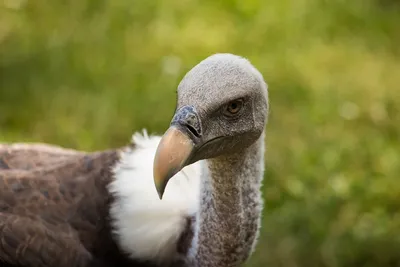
x,y
192,130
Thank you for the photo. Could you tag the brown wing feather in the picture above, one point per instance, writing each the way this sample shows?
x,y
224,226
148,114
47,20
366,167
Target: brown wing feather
x,y
54,212
24,242
27,156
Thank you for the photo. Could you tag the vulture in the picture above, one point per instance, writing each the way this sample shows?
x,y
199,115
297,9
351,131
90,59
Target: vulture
x,y
191,197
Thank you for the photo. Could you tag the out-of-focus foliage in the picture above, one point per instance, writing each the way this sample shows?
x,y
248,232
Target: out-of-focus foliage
x,y
86,74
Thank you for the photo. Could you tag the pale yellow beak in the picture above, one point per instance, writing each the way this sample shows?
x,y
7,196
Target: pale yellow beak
x,y
173,151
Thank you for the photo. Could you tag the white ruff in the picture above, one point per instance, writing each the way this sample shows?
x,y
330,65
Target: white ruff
x,y
145,226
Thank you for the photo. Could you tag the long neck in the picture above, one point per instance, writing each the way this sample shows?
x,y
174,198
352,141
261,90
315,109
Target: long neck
x,y
231,206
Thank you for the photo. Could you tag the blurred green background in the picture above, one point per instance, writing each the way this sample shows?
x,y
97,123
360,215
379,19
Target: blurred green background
x,y
86,74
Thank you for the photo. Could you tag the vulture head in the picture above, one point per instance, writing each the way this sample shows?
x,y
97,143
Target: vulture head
x,y
221,109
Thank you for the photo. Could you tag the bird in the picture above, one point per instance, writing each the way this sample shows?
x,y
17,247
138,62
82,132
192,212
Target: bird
x,y
190,197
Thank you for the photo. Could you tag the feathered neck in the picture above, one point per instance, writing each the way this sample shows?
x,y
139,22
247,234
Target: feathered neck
x,y
230,208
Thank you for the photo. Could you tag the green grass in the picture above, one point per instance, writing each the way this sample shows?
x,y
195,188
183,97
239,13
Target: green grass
x,y
86,74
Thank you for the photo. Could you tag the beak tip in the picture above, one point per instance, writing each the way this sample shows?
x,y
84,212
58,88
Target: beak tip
x,y
161,184
160,191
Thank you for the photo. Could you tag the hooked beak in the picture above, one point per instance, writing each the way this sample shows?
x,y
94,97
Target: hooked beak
x,y
173,153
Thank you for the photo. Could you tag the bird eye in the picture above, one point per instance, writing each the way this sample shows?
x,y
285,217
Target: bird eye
x,y
233,107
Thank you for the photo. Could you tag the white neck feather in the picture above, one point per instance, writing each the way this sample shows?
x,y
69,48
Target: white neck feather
x,y
146,227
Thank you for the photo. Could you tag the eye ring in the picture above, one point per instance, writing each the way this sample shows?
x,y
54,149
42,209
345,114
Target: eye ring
x,y
233,107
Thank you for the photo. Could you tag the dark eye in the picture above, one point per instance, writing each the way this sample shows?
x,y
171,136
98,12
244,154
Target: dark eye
x,y
233,107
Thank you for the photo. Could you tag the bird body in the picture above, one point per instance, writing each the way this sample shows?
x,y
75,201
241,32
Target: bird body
x,y
61,209
189,198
